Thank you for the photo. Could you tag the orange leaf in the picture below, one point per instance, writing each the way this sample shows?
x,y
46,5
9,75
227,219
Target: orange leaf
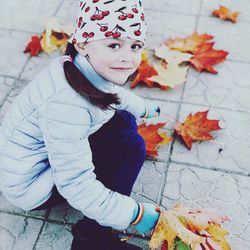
x,y
152,137
34,46
205,56
188,44
225,14
145,70
196,128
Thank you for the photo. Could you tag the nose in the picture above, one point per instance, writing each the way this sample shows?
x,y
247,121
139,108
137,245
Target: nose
x,y
126,55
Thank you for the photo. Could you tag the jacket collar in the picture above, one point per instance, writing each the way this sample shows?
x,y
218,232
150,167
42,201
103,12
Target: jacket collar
x,y
84,65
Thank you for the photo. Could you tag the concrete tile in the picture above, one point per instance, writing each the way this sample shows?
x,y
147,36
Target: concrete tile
x,y
54,237
150,174
228,89
230,149
6,84
228,193
4,108
67,12
187,7
167,25
29,15
36,64
12,45
65,213
240,5
18,232
7,207
233,38
140,242
17,88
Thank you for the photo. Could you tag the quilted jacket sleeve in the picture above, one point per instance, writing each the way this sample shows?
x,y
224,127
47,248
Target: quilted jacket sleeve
x,y
65,128
130,101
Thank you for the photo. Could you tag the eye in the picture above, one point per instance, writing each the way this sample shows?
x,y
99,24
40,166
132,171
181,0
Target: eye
x,y
138,46
113,45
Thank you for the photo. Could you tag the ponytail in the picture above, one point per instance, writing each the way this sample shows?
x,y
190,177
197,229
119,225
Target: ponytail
x,y
83,86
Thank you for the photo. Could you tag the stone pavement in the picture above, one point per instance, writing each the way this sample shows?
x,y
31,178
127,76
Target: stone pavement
x,y
213,174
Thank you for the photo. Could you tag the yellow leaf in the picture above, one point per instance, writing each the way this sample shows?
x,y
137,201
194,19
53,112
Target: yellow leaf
x,y
172,56
197,228
218,234
46,44
171,76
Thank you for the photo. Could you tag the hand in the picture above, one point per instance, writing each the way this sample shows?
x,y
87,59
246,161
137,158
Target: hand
x,y
151,110
146,217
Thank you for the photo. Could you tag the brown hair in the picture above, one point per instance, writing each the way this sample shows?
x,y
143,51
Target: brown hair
x,y
83,86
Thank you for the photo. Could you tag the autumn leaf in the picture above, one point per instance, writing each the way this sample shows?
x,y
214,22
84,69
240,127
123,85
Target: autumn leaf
x,y
175,230
225,14
169,76
189,44
171,56
152,138
145,70
205,56
34,46
54,36
196,128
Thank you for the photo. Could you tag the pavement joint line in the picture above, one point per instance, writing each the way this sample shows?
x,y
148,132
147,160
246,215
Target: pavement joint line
x,y
171,12
222,170
199,104
39,235
163,184
58,8
19,30
23,67
160,197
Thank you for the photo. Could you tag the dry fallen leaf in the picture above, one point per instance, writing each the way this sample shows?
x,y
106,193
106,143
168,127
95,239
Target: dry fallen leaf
x,y
196,228
55,35
169,76
196,128
152,138
205,56
189,44
225,14
171,56
145,70
34,46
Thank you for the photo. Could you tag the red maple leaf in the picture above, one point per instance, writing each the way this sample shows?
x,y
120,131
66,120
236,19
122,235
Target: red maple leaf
x,y
196,128
34,46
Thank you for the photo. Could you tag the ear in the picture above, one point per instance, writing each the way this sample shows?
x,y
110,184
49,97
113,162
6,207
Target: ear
x,y
80,48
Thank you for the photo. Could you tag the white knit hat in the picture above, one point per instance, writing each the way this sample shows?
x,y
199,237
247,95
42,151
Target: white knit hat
x,y
100,19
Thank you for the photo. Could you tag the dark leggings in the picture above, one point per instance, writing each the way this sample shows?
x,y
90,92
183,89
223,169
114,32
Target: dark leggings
x,y
118,153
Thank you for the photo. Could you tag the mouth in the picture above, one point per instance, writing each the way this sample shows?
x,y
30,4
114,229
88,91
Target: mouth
x,y
121,69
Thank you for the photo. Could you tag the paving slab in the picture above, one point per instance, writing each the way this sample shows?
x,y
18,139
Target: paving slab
x,y
229,193
18,232
12,45
184,7
6,84
230,149
36,64
167,25
54,237
27,16
230,88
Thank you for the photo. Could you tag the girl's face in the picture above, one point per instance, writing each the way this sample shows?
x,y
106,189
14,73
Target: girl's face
x,y
115,59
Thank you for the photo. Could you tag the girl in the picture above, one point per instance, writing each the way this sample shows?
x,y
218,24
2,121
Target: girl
x,y
71,135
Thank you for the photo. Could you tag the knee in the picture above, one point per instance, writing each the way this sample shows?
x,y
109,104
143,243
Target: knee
x,y
128,120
